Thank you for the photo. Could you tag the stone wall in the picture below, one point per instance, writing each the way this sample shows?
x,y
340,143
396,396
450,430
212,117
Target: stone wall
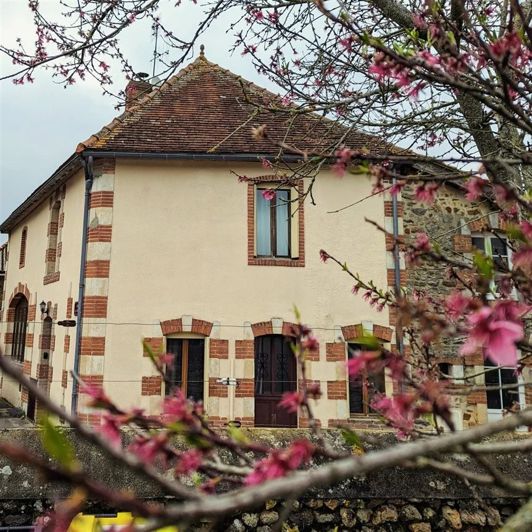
x,y
390,500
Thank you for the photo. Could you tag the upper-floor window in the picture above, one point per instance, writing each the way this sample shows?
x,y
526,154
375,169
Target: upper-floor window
x,y
276,228
22,255
52,258
19,329
272,223
187,368
497,248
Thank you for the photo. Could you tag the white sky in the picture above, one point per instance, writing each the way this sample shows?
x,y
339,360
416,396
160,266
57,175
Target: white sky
x,y
42,123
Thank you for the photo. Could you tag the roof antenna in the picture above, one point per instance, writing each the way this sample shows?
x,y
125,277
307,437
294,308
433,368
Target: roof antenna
x,y
202,50
155,49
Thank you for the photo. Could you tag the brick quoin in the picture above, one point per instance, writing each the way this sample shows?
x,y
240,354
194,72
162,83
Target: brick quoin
x,y
104,166
62,219
477,397
95,307
10,316
101,233
218,348
477,226
151,385
32,311
50,255
8,338
244,349
391,277
24,395
97,268
26,367
94,380
245,388
336,390
313,356
382,333
51,278
43,371
217,390
217,421
53,228
94,420
69,305
335,352
93,345
66,343
388,208
103,198
352,332
154,343
462,243
303,422
64,378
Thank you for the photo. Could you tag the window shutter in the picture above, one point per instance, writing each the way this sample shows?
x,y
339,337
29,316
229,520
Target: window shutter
x,y
294,226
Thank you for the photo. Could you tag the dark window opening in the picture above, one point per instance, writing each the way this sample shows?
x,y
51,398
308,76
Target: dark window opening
x,y
364,387
19,329
187,368
445,371
273,224
503,398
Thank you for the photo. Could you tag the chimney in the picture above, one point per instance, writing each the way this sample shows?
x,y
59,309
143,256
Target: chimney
x,y
136,89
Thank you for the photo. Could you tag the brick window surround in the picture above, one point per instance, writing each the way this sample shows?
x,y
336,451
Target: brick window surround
x,y
298,259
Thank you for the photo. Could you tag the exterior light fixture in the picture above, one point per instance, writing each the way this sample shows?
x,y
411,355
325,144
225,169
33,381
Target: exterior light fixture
x,y
44,308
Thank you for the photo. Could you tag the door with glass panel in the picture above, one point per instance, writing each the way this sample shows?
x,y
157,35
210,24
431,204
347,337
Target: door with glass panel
x,y
275,374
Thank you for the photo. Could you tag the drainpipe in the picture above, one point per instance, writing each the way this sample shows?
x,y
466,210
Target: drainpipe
x,y
397,265
89,177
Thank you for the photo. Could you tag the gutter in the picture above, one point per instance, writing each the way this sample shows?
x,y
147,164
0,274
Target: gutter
x,y
169,156
87,162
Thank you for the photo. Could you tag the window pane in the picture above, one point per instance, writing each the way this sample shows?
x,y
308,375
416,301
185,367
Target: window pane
x,y
285,379
509,396
478,242
263,366
196,350
263,225
492,378
499,252
173,370
282,219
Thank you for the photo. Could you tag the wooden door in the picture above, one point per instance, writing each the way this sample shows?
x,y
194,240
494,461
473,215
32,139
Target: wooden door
x,y
275,373
187,369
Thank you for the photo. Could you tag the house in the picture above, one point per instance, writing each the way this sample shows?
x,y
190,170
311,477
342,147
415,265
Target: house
x,y
145,239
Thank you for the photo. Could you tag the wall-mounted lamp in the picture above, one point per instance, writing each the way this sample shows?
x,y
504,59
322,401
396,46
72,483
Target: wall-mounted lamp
x,y
44,308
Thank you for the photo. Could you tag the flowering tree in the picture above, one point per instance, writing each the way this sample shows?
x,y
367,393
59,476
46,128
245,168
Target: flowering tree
x,y
451,78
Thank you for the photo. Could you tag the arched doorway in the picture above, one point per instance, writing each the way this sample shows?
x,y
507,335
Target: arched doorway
x,y
275,374
20,324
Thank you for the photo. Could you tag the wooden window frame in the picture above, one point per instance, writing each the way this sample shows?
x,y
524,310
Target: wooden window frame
x,y
184,368
273,224
296,227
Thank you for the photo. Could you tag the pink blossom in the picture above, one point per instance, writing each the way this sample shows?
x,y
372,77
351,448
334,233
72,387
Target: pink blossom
x,y
291,401
343,158
324,255
267,469
147,449
265,163
98,399
456,304
526,228
428,58
397,187
314,390
426,192
422,243
177,408
110,429
298,453
523,258
475,188
189,461
399,411
369,361
347,43
268,194
496,336
311,343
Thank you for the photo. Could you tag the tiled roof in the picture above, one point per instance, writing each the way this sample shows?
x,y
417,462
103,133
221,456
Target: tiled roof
x,y
203,109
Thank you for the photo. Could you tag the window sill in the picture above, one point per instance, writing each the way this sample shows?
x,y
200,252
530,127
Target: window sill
x,y
51,278
273,261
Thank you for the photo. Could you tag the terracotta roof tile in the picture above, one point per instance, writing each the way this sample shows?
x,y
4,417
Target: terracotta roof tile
x,y
203,109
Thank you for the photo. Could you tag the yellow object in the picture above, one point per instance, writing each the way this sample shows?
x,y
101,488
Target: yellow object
x,y
94,523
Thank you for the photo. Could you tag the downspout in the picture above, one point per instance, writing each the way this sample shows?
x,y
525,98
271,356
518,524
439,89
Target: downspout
x,y
89,177
397,265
